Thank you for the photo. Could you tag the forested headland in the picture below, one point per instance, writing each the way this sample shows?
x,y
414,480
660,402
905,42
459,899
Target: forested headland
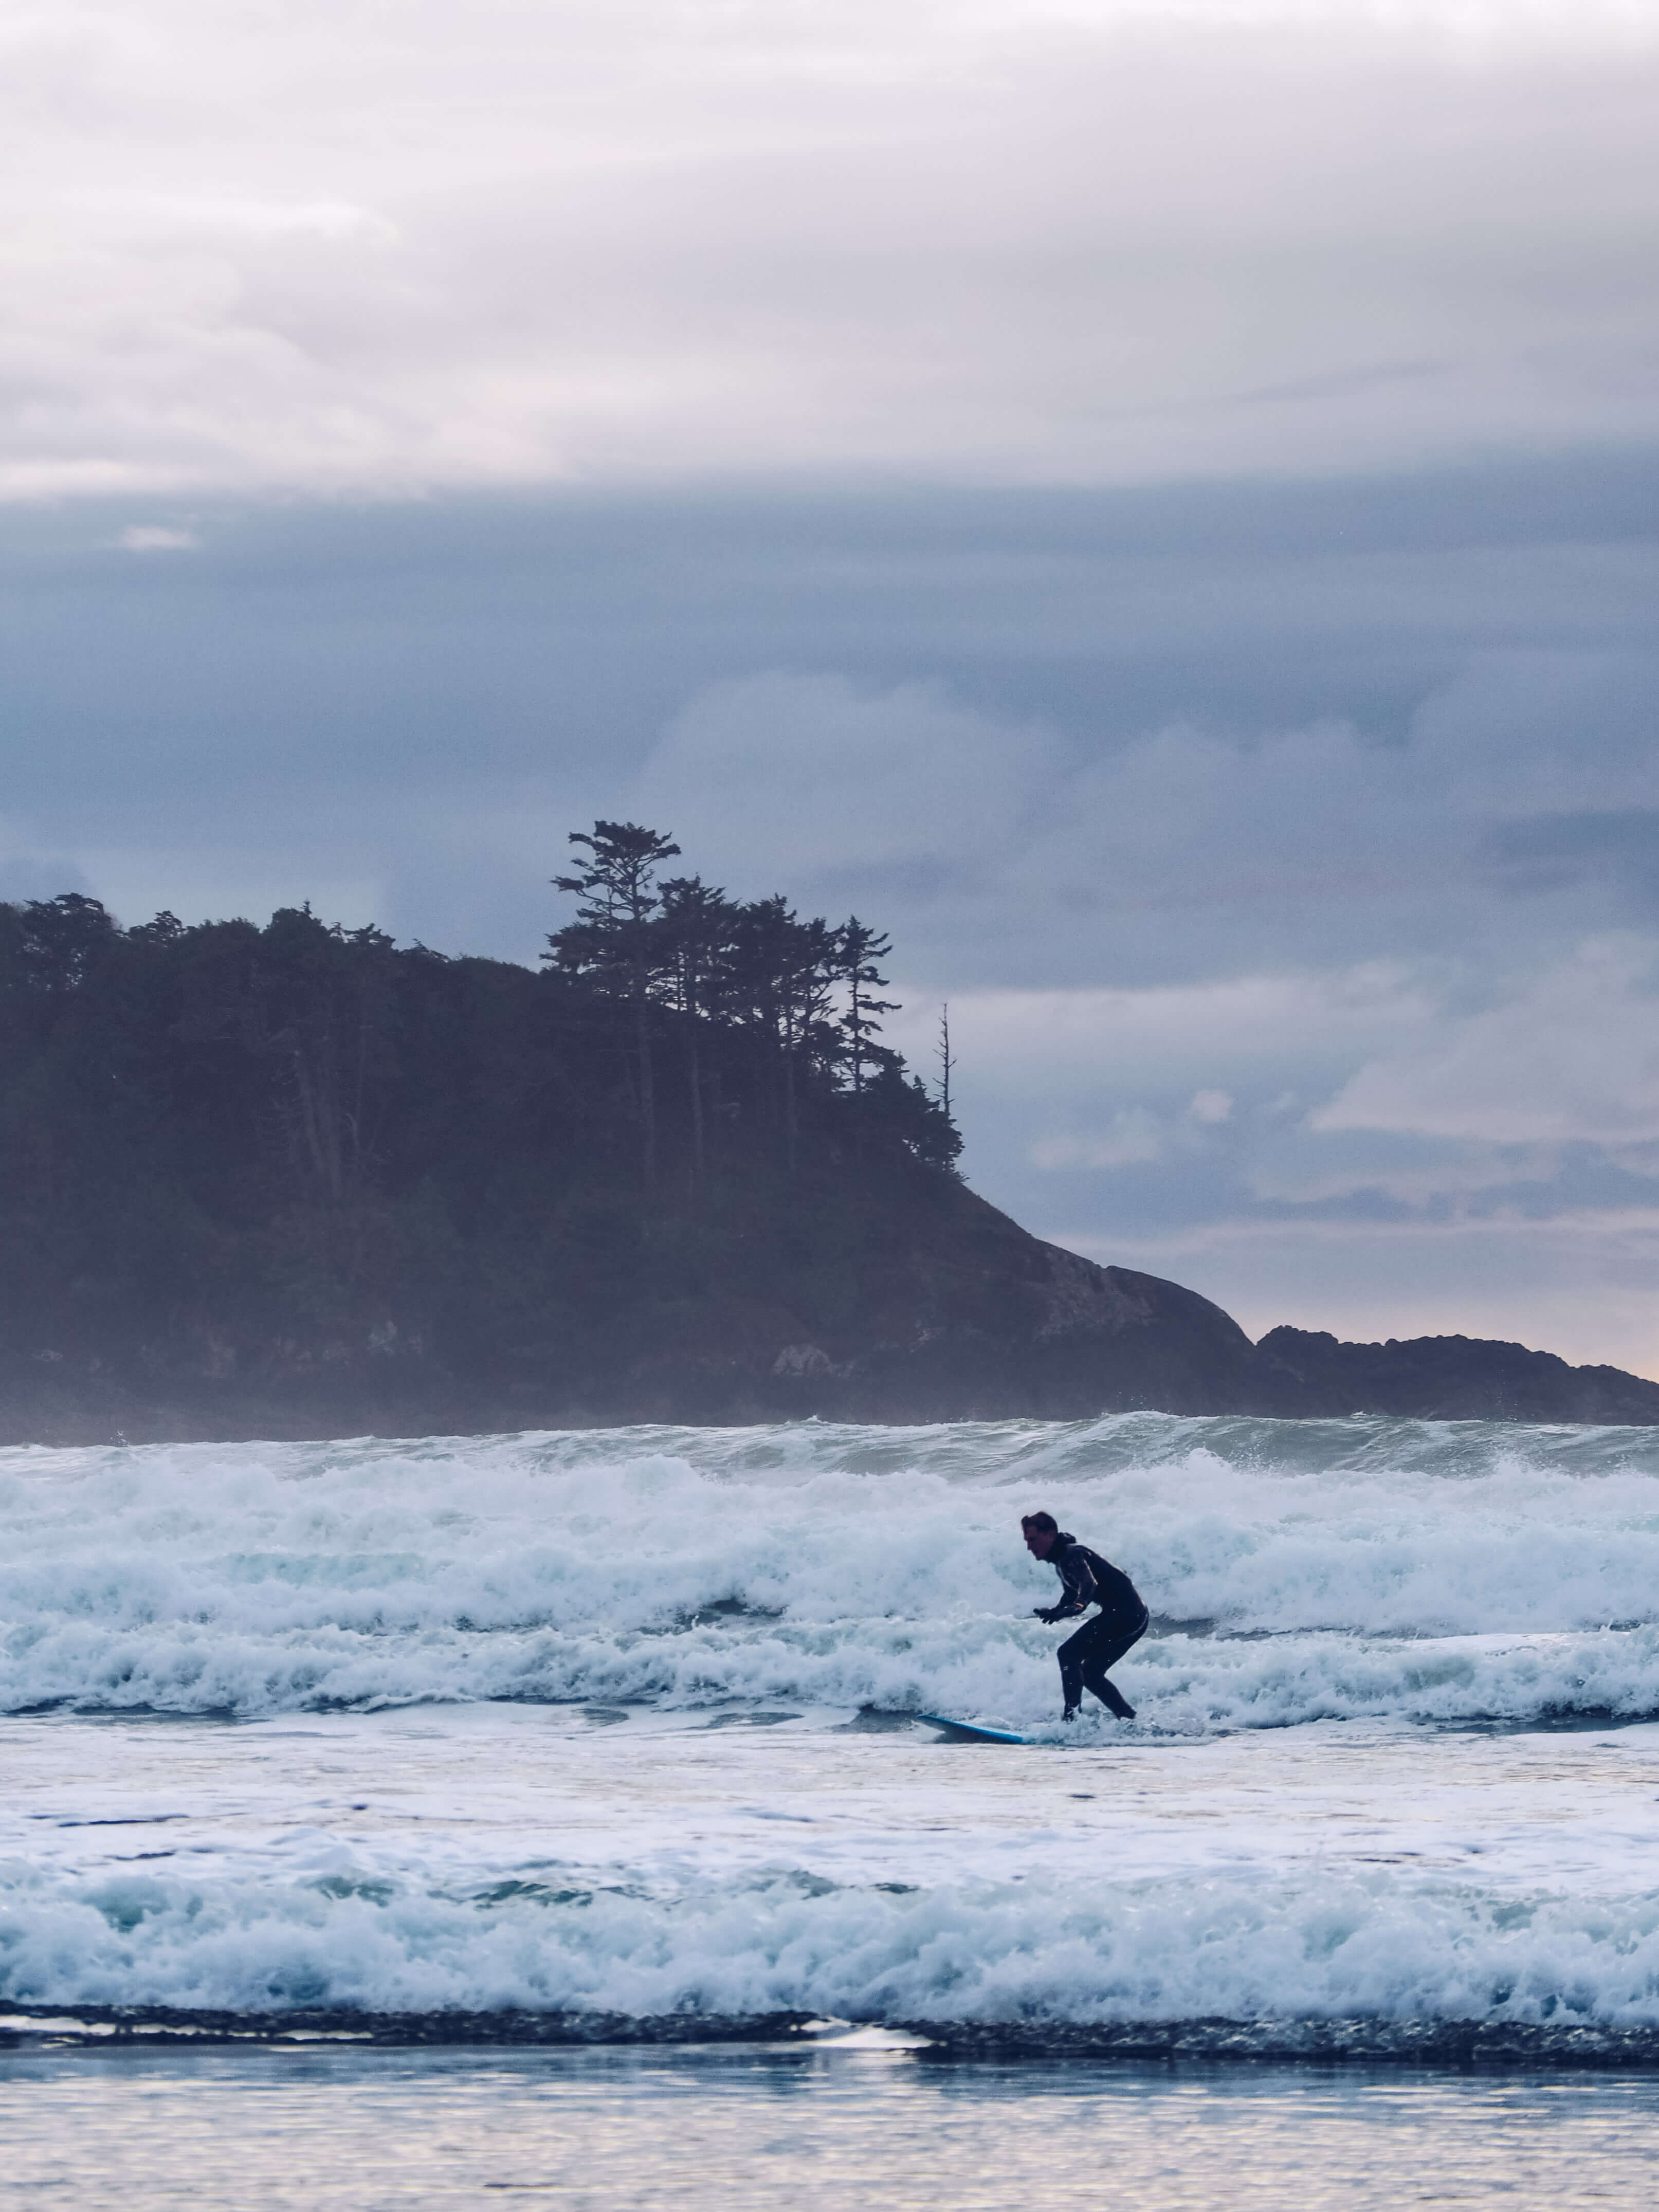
x,y
299,1150
291,1179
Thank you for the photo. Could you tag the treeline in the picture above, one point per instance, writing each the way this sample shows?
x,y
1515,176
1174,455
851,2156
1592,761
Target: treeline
x,y
791,1008
239,1128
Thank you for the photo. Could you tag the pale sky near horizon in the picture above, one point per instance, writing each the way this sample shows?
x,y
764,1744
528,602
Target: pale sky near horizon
x,y
1153,502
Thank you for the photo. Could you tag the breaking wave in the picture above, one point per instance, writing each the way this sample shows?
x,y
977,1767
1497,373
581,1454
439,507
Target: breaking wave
x,y
1433,1571
1373,1573
1384,1947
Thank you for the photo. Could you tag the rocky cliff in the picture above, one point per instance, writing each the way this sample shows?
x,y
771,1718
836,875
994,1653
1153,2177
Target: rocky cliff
x,y
911,1301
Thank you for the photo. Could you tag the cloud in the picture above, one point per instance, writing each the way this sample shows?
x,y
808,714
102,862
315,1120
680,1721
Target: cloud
x,y
1247,1027
840,790
156,537
1574,1059
1390,839
385,252
1016,850
26,873
1544,853
260,219
1134,1138
1158,1106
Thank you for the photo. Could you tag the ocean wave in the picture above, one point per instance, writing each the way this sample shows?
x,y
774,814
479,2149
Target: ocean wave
x,y
1381,1946
1476,1572
1180,1685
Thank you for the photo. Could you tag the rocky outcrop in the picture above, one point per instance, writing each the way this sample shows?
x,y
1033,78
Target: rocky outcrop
x,y
948,1311
1302,1372
913,1301
917,1302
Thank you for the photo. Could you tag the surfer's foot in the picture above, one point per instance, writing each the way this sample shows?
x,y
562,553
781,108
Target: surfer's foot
x,y
1070,1713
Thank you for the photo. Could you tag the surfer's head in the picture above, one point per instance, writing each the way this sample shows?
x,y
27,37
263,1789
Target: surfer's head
x,y
1041,1530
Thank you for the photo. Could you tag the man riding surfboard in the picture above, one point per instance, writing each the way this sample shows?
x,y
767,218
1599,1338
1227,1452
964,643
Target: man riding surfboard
x,y
1087,1579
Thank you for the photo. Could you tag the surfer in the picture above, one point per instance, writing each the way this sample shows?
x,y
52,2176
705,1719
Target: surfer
x,y
1087,1579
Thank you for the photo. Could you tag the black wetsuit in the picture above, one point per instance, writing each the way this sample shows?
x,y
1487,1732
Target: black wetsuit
x,y
1087,1579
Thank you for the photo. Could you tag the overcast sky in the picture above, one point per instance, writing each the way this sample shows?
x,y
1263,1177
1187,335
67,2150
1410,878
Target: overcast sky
x,y
1153,502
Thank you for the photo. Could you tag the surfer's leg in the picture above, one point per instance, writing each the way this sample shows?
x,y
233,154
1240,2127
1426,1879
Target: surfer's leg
x,y
1105,1640
1071,1655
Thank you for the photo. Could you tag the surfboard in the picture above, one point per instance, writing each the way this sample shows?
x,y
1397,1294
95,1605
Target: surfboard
x,y
970,1731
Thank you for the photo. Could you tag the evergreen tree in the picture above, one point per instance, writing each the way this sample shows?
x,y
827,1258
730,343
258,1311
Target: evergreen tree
x,y
858,951
56,943
697,924
616,942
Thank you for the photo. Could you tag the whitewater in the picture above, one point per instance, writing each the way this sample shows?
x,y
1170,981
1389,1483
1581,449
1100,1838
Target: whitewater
x,y
619,1728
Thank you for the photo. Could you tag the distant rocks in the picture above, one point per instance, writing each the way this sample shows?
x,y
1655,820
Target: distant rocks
x,y
1300,1371
1037,1332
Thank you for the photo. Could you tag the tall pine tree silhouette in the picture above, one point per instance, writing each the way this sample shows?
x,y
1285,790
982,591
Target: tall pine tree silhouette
x,y
696,925
617,940
858,949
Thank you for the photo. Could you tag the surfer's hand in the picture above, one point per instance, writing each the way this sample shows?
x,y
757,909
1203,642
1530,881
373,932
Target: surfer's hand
x,y
1046,1613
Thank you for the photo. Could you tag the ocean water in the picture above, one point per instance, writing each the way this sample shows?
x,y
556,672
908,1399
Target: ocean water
x,y
333,1773
752,2128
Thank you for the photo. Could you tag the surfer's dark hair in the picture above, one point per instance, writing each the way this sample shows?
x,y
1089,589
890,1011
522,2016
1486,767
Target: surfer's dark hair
x,y
1044,1521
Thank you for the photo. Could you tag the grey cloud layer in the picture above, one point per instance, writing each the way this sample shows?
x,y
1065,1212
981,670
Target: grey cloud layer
x,y
1189,848
385,251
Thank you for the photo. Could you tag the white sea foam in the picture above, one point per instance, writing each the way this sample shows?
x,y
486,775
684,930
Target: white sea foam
x,y
482,1856
1436,1572
1276,1836
1337,1944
